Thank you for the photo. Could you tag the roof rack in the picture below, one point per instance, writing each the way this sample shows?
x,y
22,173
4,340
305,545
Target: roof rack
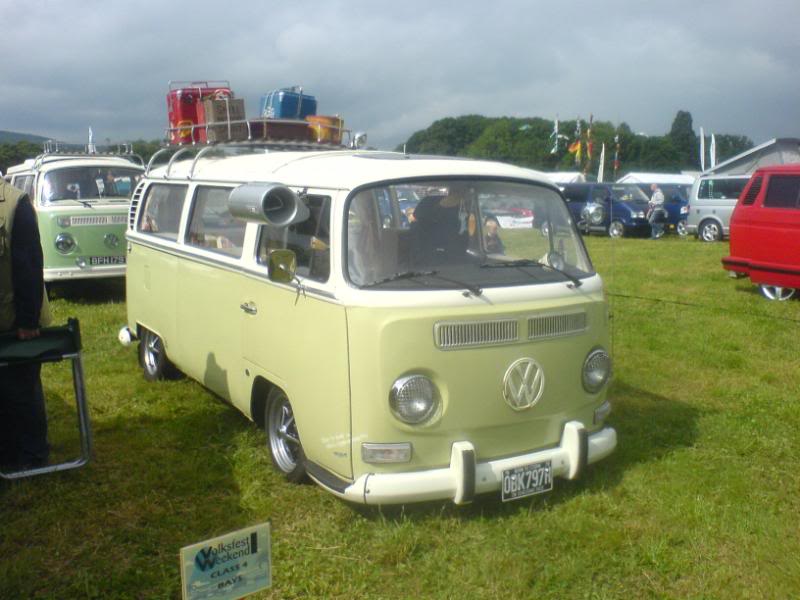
x,y
55,151
230,148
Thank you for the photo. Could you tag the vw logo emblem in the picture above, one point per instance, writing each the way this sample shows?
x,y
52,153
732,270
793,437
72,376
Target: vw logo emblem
x,y
111,240
523,383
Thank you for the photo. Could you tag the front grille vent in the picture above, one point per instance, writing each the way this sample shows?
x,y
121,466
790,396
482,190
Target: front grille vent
x,y
471,334
135,199
556,325
98,220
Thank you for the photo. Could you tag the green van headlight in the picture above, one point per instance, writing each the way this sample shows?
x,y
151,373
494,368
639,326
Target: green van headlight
x,y
65,243
596,370
64,221
414,399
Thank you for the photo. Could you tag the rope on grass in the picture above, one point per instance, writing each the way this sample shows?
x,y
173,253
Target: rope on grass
x,y
705,306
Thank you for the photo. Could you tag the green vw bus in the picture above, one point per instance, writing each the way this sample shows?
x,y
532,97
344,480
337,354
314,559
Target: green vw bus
x,y
393,354
81,202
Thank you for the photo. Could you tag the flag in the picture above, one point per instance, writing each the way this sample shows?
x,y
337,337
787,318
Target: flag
x,y
575,148
702,150
713,152
602,163
589,141
554,137
616,155
90,148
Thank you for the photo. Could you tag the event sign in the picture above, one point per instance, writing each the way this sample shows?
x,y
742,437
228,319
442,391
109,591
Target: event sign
x,y
229,566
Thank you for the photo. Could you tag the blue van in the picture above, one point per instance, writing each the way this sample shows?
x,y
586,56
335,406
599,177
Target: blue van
x,y
614,208
676,203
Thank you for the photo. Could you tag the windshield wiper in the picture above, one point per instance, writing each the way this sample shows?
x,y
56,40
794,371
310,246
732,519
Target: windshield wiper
x,y
85,203
398,277
413,274
527,262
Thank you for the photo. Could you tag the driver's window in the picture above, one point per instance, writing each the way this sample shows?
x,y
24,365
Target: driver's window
x,y
599,194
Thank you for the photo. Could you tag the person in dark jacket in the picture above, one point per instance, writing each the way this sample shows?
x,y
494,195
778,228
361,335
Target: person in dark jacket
x,y
23,310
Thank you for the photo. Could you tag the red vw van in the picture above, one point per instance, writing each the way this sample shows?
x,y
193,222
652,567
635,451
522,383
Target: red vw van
x,y
765,231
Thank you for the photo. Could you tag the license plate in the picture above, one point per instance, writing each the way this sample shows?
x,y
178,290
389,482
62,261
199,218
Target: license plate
x,y
527,480
106,260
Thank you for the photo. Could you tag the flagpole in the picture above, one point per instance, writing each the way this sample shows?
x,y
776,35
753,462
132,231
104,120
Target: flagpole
x,y
602,163
702,150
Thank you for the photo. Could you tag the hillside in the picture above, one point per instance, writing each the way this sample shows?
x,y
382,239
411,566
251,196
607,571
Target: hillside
x,y
10,137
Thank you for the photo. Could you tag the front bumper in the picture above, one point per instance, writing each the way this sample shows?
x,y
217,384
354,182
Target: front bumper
x,y
464,478
89,272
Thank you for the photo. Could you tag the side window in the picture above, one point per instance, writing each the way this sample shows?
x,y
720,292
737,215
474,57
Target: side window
x,y
704,191
309,240
24,183
752,192
783,191
211,226
574,194
599,194
161,213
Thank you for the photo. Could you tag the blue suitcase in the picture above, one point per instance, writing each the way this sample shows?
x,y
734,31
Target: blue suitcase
x,y
288,103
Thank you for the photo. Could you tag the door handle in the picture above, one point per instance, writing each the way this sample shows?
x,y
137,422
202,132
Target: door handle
x,y
249,308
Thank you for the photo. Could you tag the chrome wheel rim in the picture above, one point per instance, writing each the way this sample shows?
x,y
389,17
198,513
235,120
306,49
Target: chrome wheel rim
x,y
615,229
681,228
710,232
153,352
775,292
284,442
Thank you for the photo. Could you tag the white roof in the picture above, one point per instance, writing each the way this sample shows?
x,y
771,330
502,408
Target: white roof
x,y
673,178
566,177
54,161
337,169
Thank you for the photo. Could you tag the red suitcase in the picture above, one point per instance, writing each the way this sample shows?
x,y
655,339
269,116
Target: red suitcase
x,y
185,108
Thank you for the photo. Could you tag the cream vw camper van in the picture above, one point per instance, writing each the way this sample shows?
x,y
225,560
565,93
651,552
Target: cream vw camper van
x,y
393,355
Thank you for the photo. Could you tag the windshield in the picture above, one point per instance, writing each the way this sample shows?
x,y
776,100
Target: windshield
x,y
89,183
461,234
629,192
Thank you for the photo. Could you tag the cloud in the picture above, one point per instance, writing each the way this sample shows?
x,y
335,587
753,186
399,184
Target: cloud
x,y
393,68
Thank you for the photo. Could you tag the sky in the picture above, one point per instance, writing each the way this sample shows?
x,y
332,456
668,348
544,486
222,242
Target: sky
x,y
392,68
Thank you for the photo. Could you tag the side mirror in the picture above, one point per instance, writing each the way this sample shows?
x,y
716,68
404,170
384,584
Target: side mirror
x,y
282,266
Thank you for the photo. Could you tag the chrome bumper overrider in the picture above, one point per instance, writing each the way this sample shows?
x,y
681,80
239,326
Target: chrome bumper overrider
x,y
463,478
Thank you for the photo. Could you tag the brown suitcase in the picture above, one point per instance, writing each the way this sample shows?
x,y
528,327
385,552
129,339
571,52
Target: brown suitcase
x,y
225,119
280,130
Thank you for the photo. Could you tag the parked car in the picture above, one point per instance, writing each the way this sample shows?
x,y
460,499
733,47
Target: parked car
x,y
81,202
711,203
614,208
765,232
390,361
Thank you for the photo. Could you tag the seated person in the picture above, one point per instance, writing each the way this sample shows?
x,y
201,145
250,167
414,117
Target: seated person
x,y
438,233
491,237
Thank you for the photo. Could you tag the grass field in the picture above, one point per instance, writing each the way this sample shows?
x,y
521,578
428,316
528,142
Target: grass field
x,y
700,500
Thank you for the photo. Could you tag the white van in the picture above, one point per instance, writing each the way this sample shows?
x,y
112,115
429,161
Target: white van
x,y
711,204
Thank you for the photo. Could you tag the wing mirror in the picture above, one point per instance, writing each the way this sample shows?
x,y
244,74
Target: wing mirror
x,y
282,266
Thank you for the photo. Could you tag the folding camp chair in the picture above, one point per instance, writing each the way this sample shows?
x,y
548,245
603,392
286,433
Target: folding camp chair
x,y
53,345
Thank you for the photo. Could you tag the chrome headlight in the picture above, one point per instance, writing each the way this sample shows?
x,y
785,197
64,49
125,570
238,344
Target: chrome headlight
x,y
639,215
596,370
65,243
414,399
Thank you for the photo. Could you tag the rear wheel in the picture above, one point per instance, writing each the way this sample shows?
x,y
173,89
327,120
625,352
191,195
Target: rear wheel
x,y
616,229
709,231
680,228
774,292
282,437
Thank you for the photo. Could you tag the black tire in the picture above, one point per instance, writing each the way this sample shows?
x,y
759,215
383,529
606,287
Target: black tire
x,y
680,228
709,231
153,358
283,440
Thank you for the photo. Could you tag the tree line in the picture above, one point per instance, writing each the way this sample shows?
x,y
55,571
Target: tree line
x,y
530,142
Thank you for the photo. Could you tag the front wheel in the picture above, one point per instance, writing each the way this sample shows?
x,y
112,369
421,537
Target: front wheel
x,y
774,292
282,437
680,228
616,229
153,357
709,231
